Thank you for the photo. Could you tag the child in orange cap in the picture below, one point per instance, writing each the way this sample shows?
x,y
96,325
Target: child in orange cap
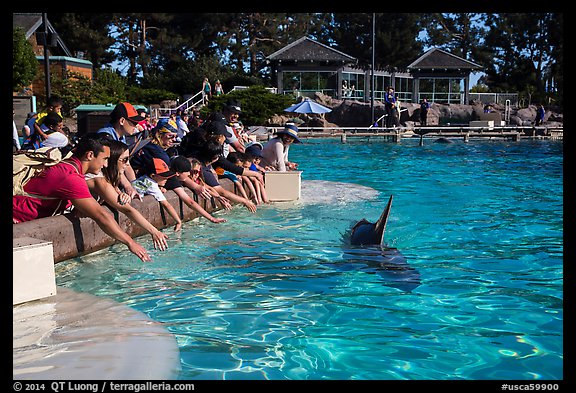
x,y
157,175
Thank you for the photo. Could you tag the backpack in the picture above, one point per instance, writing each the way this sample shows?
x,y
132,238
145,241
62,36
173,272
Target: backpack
x,y
28,164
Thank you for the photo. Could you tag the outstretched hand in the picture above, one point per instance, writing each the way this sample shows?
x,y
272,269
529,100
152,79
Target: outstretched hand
x,y
139,251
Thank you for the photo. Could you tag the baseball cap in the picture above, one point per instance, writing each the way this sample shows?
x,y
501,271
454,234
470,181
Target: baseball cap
x,y
254,148
233,106
127,111
159,167
180,164
217,128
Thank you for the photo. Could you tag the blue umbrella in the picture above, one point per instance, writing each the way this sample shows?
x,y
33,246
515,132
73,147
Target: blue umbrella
x,y
308,106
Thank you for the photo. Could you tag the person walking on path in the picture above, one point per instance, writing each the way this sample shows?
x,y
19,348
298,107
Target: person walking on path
x,y
218,89
206,91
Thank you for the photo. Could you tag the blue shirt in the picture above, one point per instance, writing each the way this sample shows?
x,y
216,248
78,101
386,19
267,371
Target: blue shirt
x,y
108,129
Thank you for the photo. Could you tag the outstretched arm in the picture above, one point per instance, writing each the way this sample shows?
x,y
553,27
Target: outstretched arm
x,y
90,208
192,204
237,198
173,213
108,193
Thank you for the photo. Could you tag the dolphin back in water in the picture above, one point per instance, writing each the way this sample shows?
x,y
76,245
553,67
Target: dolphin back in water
x,y
367,233
372,251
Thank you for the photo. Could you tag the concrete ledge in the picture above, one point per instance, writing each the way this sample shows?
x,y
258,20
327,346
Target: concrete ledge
x,y
283,186
32,270
72,236
482,123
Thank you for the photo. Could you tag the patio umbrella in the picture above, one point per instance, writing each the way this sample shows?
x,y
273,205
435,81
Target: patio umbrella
x,y
308,106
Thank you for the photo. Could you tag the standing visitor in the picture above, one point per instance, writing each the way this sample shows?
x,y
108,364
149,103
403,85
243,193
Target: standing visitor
x,y
424,107
218,88
231,113
206,91
390,105
540,112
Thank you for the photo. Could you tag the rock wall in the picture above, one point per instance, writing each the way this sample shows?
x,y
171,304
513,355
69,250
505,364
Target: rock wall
x,y
350,113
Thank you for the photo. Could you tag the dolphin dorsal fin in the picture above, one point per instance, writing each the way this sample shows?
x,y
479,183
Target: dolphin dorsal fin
x,y
380,227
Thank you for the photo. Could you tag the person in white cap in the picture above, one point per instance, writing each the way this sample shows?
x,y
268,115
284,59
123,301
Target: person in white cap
x,y
275,151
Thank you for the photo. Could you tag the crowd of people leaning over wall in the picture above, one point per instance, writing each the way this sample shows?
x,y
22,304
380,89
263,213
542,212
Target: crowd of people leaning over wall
x,y
132,157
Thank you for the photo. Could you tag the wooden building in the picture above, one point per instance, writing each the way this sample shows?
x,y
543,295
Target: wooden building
x,y
306,66
440,76
61,60
60,57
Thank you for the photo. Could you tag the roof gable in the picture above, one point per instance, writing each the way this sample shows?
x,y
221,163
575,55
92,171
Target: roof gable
x,y
31,22
438,58
306,49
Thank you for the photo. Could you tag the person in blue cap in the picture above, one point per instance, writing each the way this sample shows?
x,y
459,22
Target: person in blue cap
x,y
275,151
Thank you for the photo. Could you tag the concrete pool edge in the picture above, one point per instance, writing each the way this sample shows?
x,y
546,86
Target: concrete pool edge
x,y
78,336
73,236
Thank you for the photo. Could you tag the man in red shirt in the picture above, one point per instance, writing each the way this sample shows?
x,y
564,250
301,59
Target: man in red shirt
x,y
60,186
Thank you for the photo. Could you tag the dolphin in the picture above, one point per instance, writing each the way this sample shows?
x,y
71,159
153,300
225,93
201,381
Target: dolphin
x,y
369,247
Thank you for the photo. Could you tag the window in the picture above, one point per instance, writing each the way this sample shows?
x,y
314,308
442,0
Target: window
x,y
442,90
353,85
306,83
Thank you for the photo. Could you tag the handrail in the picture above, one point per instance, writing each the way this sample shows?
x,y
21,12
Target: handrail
x,y
160,111
376,122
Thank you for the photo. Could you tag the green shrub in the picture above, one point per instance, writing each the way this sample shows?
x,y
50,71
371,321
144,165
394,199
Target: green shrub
x,y
257,103
24,62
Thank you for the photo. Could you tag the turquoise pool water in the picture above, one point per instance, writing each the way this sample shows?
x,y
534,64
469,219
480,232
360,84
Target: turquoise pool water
x,y
278,294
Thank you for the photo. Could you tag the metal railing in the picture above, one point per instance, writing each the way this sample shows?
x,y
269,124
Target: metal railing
x,y
494,98
166,112
272,90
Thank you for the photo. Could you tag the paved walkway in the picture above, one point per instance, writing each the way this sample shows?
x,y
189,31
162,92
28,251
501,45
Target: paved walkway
x,y
77,336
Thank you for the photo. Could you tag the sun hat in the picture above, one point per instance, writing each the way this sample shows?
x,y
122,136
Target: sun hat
x,y
159,167
127,111
292,130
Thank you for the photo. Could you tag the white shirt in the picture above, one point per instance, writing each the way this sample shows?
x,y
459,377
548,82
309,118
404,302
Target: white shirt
x,y
145,185
56,139
15,135
276,154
